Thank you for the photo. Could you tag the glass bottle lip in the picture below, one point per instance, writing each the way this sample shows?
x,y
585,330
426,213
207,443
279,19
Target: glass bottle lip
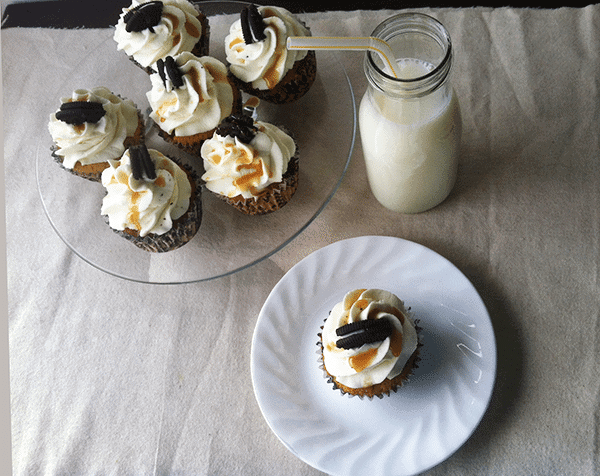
x,y
420,85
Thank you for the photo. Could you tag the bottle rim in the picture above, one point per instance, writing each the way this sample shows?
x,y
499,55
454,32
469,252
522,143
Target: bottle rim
x,y
420,85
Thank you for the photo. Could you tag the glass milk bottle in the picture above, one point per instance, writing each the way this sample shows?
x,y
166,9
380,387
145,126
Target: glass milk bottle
x,y
411,126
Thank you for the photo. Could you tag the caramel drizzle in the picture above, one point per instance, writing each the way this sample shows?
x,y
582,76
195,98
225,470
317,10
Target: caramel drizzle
x,y
249,180
272,76
173,19
191,29
134,214
195,80
360,362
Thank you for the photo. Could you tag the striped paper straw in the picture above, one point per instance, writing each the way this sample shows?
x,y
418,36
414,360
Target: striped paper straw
x,y
345,43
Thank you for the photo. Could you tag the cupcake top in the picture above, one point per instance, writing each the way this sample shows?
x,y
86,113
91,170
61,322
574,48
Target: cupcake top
x,y
91,125
367,338
256,45
150,30
190,95
146,191
244,157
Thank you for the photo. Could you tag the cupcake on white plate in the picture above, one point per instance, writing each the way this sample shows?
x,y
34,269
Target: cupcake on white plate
x,y
369,344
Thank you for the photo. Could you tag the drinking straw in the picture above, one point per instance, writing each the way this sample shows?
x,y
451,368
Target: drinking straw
x,y
370,43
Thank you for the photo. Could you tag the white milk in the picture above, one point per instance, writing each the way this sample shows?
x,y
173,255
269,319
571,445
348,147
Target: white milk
x,y
411,146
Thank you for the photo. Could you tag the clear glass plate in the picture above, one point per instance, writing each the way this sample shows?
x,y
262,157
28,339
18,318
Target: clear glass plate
x,y
323,123
429,417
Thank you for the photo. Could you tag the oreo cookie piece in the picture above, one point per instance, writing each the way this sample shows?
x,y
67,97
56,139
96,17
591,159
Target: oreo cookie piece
x,y
145,15
253,26
363,332
78,112
168,68
142,166
240,126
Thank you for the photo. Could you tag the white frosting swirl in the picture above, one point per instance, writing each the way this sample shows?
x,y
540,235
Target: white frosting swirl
x,y
235,168
178,30
200,104
92,143
148,206
369,364
264,63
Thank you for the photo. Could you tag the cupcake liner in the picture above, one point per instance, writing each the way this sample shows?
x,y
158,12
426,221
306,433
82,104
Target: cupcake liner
x,y
382,389
183,230
273,198
202,47
292,86
93,172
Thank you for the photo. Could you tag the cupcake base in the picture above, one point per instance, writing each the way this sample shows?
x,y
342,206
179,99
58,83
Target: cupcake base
x,y
274,196
93,172
379,390
183,230
293,85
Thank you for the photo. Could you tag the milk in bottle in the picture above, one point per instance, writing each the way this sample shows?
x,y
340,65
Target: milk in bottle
x,y
410,126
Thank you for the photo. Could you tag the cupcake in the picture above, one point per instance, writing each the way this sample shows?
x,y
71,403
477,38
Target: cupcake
x,y
259,61
151,200
190,96
251,165
150,30
369,344
92,127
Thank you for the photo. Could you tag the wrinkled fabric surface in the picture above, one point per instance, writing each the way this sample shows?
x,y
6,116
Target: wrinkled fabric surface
x,y
115,377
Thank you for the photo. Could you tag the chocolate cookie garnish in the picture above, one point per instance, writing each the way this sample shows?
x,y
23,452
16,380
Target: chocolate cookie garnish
x,y
363,332
168,68
142,166
78,112
253,26
160,66
240,126
145,15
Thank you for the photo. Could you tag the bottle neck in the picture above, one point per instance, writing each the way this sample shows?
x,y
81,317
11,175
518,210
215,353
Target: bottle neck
x,y
418,41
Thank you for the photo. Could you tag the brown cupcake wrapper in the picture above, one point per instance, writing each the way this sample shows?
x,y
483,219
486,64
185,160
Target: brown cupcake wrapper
x,y
292,86
202,47
183,229
273,198
93,172
382,389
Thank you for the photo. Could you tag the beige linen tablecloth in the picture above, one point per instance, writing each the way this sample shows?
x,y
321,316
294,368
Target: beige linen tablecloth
x,y
115,377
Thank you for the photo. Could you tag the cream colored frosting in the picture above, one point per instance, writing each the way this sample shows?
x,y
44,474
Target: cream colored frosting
x,y
264,63
148,206
92,143
179,30
200,104
369,364
235,168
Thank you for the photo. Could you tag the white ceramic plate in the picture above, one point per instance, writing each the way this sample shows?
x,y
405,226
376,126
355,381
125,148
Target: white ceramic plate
x,y
416,428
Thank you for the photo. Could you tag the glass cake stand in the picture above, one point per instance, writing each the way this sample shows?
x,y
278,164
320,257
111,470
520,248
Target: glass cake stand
x,y
323,123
